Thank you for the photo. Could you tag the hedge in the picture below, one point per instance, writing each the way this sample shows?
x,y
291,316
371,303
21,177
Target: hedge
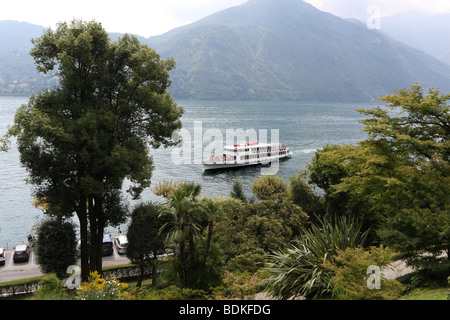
x,y
30,285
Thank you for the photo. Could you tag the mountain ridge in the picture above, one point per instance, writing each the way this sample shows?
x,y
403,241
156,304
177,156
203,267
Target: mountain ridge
x,y
424,31
292,51
288,50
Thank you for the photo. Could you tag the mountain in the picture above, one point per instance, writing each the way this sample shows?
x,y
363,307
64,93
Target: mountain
x,y
424,31
289,50
261,50
18,35
18,74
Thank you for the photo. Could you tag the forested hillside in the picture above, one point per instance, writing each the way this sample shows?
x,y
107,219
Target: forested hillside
x,y
289,50
261,50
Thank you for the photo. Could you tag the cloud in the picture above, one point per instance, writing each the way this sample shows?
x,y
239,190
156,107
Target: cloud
x,y
359,8
155,17
145,18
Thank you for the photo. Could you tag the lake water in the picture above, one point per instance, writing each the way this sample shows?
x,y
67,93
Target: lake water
x,y
304,127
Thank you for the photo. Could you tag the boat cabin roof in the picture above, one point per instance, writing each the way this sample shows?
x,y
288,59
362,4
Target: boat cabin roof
x,y
250,144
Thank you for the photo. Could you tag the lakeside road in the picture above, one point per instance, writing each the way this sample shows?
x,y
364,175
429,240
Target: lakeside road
x,y
15,271
23,270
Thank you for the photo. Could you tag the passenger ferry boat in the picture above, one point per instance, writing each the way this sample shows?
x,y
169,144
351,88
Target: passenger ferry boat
x,y
247,154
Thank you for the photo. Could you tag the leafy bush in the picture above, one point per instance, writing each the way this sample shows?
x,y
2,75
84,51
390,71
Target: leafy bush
x,y
50,288
269,188
247,262
204,274
56,246
349,268
298,270
247,232
172,293
448,291
240,286
98,288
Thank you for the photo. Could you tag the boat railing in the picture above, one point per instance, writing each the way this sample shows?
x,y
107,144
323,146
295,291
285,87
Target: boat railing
x,y
264,153
220,159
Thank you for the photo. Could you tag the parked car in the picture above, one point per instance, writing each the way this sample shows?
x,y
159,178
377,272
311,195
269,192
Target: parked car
x,y
121,242
21,253
2,257
107,245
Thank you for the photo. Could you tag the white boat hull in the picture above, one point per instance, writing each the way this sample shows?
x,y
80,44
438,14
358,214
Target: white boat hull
x,y
222,165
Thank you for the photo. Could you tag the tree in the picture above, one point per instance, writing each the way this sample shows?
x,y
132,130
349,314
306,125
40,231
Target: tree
x,y
247,232
274,223
325,172
82,139
56,246
183,205
145,242
330,166
269,188
411,139
4,144
166,188
402,173
235,237
210,208
237,191
302,194
198,260
349,279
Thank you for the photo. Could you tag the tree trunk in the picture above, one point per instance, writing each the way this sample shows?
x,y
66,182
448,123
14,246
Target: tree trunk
x,y
93,248
100,229
82,217
97,224
191,239
208,241
155,261
184,262
141,276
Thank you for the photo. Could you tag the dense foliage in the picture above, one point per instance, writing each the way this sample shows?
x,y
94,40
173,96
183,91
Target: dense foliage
x,y
383,199
298,270
349,274
82,139
56,246
398,180
145,241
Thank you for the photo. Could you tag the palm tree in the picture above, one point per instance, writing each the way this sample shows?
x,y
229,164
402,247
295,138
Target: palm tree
x,y
211,208
298,269
187,213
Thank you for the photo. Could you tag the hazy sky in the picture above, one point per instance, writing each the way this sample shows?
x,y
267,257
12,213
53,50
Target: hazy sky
x,y
359,8
147,18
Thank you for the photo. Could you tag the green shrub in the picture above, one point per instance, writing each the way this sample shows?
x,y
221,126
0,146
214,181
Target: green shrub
x,y
448,291
50,288
240,286
98,288
172,293
350,275
298,270
56,246
247,262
